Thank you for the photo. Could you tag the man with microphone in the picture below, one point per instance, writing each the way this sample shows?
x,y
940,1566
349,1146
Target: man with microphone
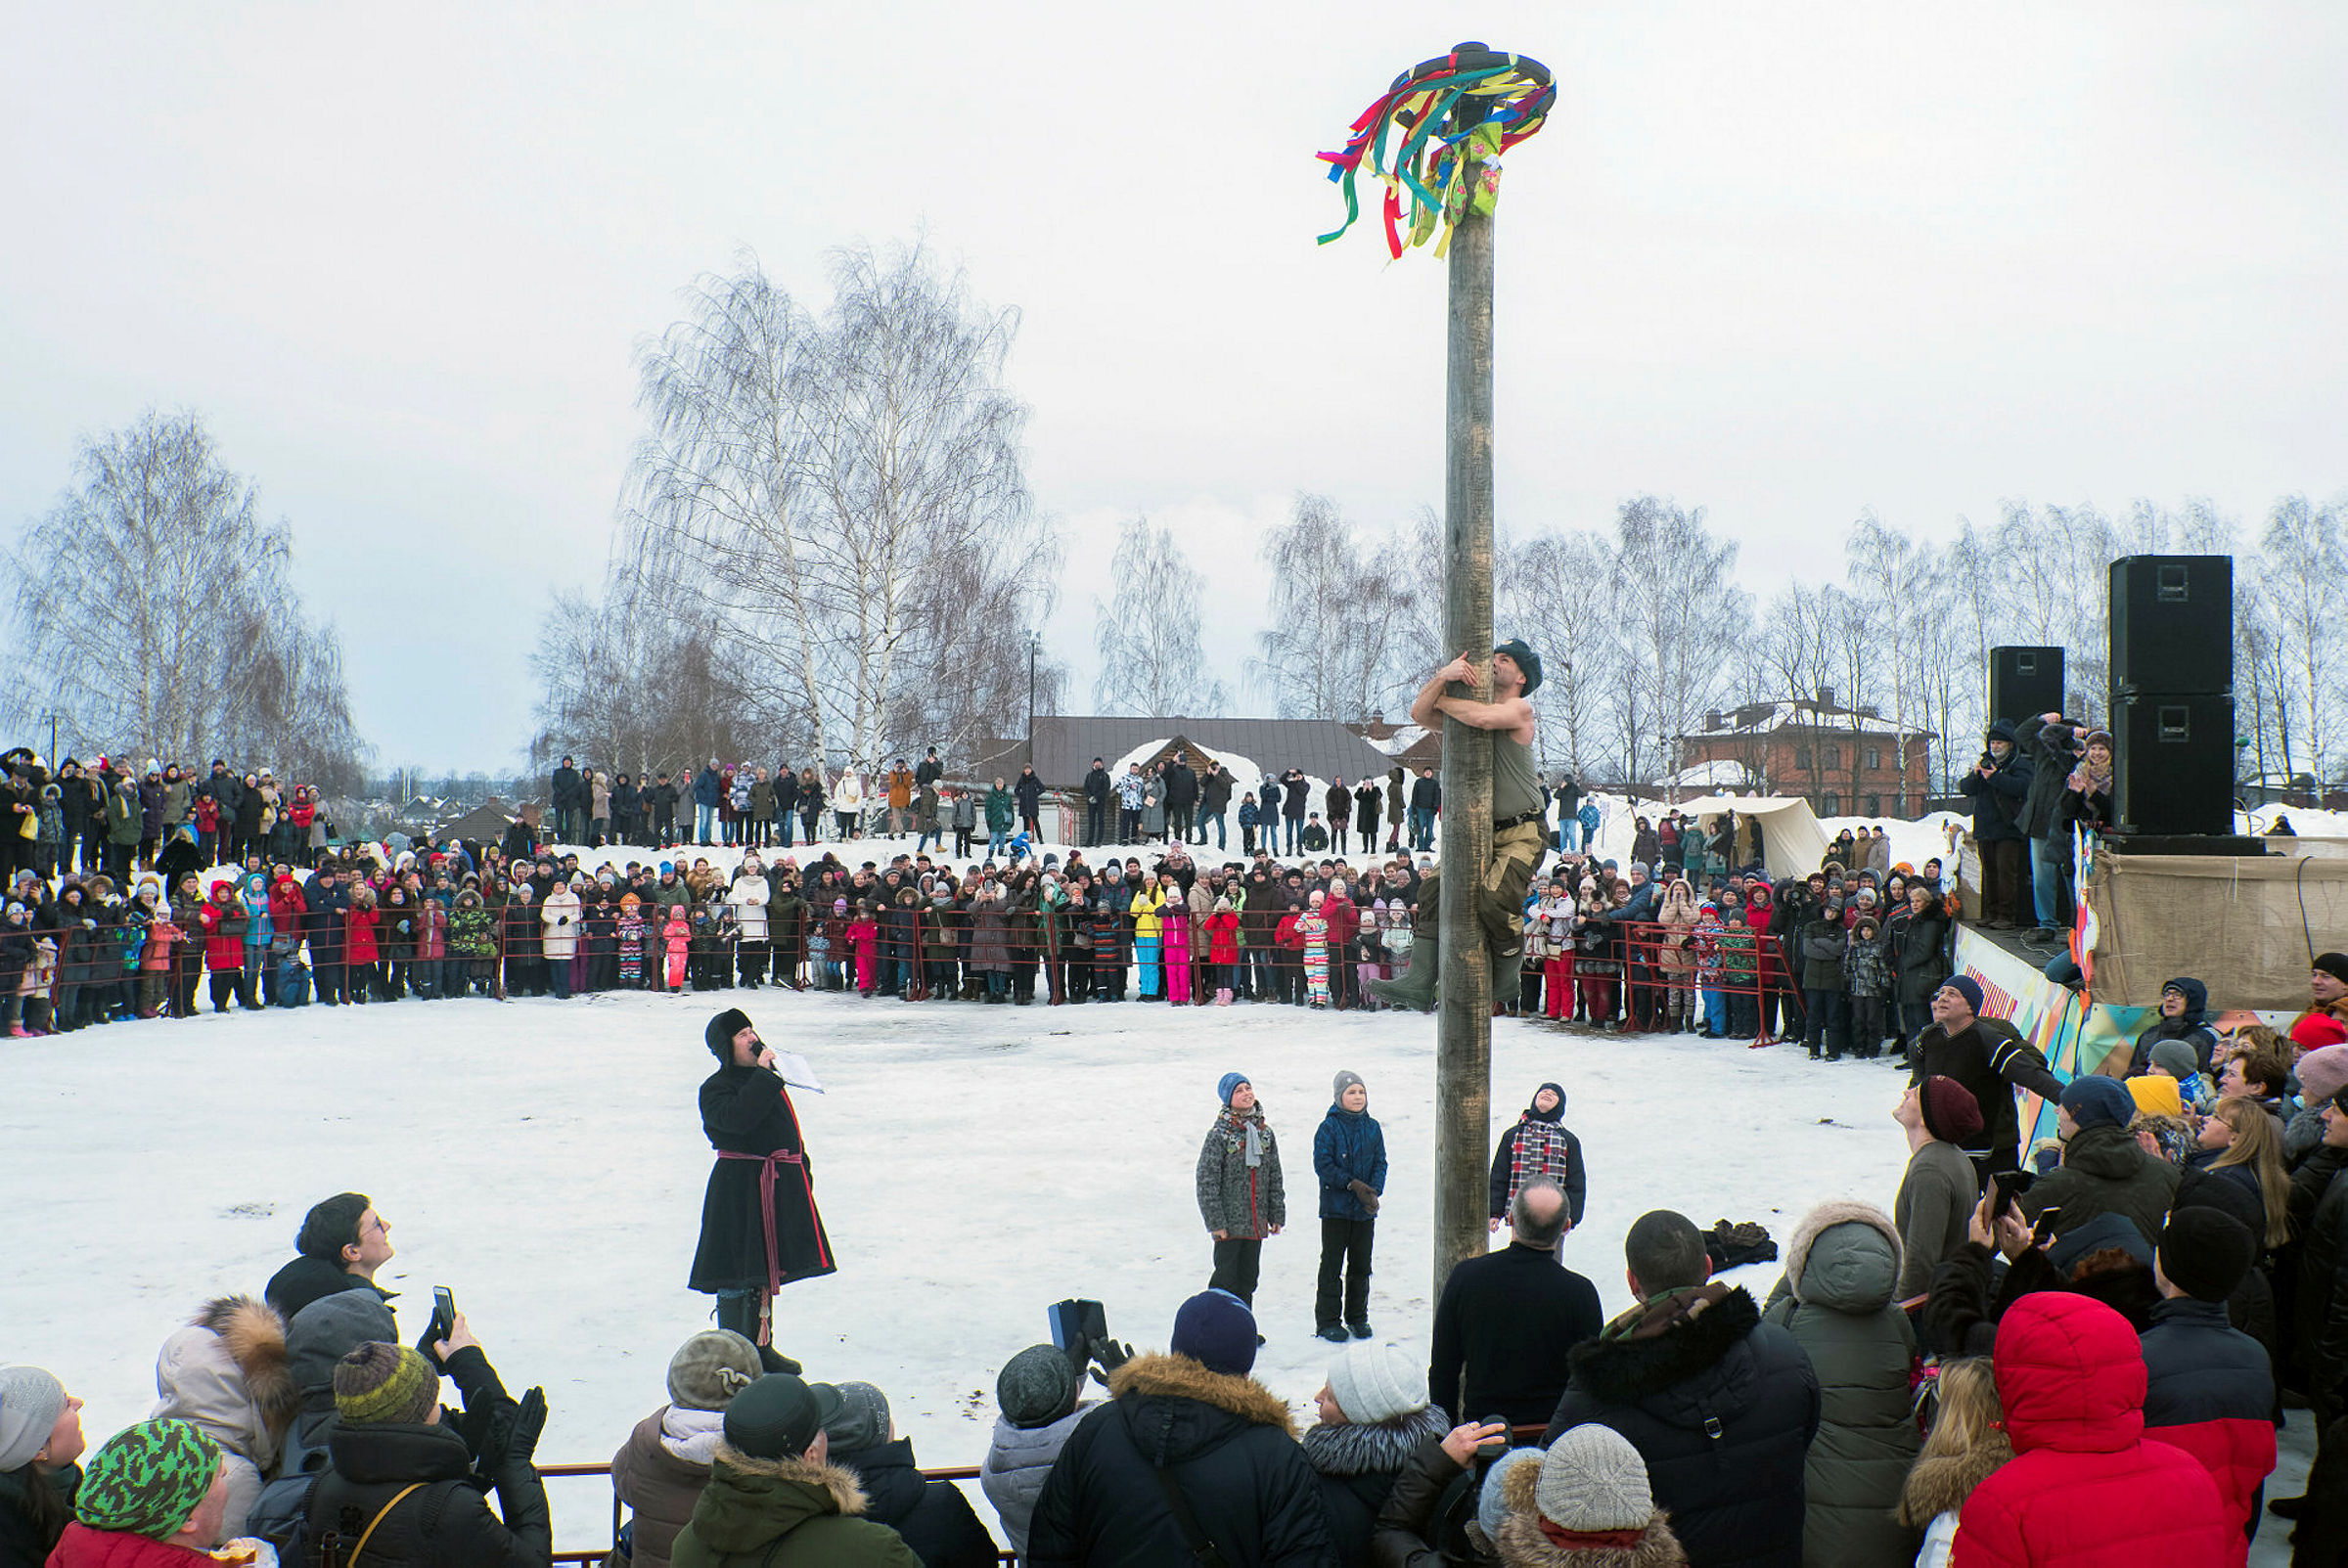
x,y
760,1226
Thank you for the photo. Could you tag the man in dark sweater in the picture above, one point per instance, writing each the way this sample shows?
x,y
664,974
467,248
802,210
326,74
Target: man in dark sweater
x,y
1508,1319
1991,1060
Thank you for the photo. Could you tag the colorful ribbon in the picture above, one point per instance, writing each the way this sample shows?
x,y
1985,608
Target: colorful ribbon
x,y
1447,170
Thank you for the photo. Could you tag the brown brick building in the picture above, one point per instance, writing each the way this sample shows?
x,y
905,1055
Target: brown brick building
x,y
1846,762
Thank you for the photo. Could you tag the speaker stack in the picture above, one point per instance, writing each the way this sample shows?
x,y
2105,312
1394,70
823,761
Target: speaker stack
x,y
2023,681
2172,705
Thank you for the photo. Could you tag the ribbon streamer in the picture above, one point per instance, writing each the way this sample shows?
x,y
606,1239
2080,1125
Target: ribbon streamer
x,y
1444,171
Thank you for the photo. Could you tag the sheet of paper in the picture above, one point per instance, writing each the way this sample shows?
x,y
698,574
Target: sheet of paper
x,y
795,1072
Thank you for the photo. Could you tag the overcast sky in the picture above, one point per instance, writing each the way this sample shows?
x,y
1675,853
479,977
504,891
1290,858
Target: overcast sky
x,y
1782,261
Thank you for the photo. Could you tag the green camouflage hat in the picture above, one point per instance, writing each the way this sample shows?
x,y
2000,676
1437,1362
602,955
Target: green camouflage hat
x,y
146,1479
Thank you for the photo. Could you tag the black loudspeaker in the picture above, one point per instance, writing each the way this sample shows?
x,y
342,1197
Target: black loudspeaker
x,y
2174,772
2172,624
2023,681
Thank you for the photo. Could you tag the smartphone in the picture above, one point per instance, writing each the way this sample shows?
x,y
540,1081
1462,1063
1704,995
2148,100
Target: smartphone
x,y
2008,1184
1494,1448
2044,1230
1076,1323
444,1316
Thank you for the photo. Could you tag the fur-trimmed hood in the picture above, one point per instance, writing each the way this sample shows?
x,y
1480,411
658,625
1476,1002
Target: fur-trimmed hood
x,y
1522,1542
227,1374
1667,1340
1378,1448
1938,1484
1856,1270
748,1501
1175,1409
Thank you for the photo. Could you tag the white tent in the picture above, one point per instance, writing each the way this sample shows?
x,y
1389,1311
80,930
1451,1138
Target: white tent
x,y
1792,844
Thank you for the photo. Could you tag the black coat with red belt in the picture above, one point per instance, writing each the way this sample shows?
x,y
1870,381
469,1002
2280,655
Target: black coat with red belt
x,y
746,1110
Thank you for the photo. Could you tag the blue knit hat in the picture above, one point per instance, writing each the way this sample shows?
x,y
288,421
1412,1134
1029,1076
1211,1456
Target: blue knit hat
x,y
1216,1329
2096,1101
1229,1082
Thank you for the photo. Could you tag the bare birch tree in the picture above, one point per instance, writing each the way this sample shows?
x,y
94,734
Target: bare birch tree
x,y
1337,643
1677,607
156,615
1152,656
809,482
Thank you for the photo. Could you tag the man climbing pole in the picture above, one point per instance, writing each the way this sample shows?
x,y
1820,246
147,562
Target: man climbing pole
x,y
1517,841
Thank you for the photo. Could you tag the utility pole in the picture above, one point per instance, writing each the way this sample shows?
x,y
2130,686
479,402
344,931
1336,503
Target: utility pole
x,y
1463,1028
1035,641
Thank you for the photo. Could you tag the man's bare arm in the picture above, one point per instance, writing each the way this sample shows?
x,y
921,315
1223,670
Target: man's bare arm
x,y
1512,714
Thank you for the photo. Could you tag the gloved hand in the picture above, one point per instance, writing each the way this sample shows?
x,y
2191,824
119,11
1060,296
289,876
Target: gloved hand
x,y
512,1433
1108,1356
1362,1195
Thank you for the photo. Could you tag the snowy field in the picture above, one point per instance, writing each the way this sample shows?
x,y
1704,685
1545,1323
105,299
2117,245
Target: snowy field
x,y
544,1160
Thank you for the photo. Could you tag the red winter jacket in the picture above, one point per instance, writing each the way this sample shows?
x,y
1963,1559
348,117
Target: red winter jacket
x,y
2209,1390
1223,937
286,906
358,925
2085,1489
224,931
83,1547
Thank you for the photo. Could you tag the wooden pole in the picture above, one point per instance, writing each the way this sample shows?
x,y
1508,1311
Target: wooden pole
x,y
1463,1029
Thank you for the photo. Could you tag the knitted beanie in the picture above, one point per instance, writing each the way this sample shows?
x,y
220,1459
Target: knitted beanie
x,y
1592,1479
146,1479
862,1421
1228,1084
380,1383
2323,1074
1216,1329
1491,1502
711,1369
2096,1101
1345,1081
2205,1252
2176,1058
2334,964
1949,1109
31,1402
1965,986
1373,1383
2154,1094
1038,1386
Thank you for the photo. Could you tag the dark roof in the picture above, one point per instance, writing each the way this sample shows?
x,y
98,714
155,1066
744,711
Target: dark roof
x,y
1065,745
488,821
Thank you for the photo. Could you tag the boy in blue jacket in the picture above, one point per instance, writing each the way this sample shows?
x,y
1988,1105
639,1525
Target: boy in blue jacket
x,y
1349,1156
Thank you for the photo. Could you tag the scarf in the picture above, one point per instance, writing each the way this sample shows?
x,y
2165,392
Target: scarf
x,y
2087,779
691,1435
1253,1128
1590,1539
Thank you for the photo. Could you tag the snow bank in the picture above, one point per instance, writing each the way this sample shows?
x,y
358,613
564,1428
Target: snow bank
x,y
544,1160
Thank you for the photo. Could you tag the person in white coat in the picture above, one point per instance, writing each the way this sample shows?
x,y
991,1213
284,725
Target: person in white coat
x,y
748,897
847,802
560,916
226,1374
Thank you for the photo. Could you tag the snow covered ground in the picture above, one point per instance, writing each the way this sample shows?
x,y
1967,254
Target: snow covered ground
x,y
543,1159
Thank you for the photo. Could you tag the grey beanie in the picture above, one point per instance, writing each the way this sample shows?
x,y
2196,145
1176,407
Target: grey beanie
x,y
863,1419
1593,1479
1491,1508
1372,1383
2176,1058
31,1402
1038,1386
1345,1081
711,1369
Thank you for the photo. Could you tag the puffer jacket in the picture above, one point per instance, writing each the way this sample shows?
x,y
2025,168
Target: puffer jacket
x,y
226,1374
660,1489
2210,1390
2105,1172
1723,1408
932,1517
1226,1440
1836,1300
1998,799
1525,1544
1358,1463
2084,1488
785,1513
1349,1146
447,1521
1823,940
2319,1316
749,898
1016,1461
